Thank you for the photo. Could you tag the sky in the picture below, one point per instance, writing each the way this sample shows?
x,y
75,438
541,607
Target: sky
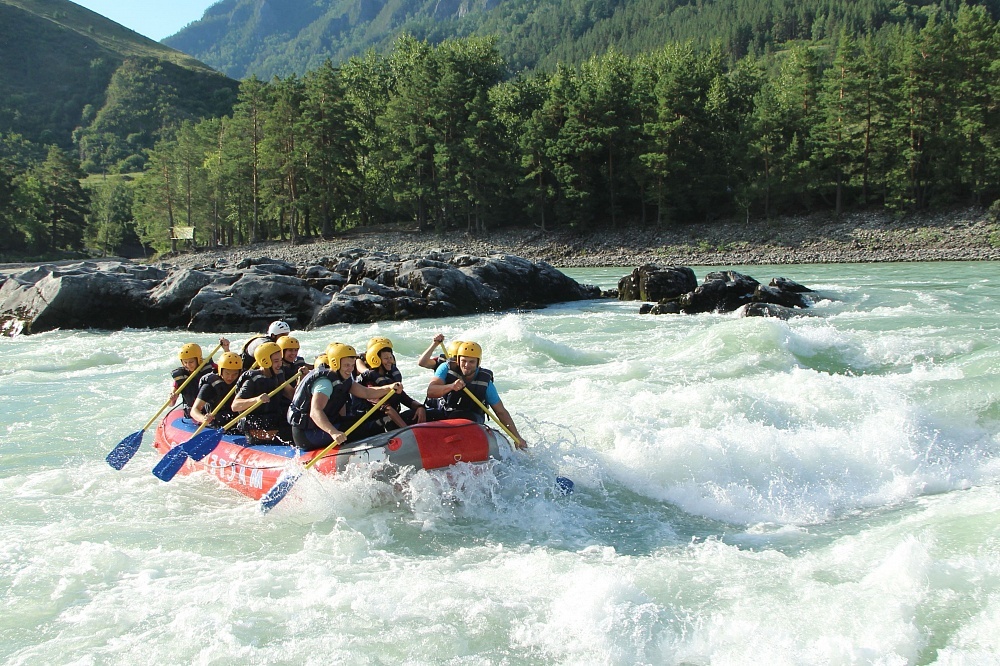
x,y
155,19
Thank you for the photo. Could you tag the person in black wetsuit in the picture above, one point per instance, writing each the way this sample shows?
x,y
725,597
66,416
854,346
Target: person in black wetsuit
x,y
214,387
190,356
267,424
382,372
317,411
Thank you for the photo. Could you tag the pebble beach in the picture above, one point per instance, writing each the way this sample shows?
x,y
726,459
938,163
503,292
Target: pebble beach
x,y
855,238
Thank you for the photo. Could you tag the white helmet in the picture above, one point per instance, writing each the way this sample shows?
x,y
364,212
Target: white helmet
x,y
278,328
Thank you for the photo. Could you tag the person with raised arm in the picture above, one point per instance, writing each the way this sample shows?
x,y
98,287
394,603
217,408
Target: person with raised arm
x,y
450,383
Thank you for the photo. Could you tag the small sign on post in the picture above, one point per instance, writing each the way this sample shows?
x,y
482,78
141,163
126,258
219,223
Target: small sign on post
x,y
182,233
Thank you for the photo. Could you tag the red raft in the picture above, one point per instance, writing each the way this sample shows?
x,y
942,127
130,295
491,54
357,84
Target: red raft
x,y
253,470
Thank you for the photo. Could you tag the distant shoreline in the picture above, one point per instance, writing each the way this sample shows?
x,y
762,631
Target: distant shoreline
x,y
965,235
968,235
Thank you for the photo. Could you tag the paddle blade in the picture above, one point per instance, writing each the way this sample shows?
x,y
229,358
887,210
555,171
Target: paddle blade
x,y
171,463
126,448
277,492
202,444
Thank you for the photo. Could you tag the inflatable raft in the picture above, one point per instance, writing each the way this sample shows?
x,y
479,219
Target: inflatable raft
x,y
254,470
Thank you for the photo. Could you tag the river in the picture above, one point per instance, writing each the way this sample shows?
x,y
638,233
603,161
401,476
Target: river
x,y
817,491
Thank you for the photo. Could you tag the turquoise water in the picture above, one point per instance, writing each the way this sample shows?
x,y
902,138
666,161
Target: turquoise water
x,y
818,491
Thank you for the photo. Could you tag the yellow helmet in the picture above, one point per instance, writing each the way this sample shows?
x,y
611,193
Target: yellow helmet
x,y
288,342
338,351
375,347
374,341
452,348
470,349
231,361
190,350
320,360
264,352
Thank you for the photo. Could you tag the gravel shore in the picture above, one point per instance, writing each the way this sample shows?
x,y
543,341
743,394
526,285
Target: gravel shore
x,y
856,238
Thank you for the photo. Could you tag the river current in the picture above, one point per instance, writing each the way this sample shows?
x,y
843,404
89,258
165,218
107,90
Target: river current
x,y
823,490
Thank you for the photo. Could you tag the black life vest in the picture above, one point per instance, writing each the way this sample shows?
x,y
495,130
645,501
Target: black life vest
x,y
298,411
247,353
212,388
190,392
459,400
254,383
378,377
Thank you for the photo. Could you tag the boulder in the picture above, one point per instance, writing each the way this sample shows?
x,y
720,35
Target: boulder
x,y
353,287
720,292
770,310
84,295
651,282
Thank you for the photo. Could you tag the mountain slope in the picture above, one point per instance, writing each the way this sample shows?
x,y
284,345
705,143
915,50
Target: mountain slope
x,y
57,58
268,37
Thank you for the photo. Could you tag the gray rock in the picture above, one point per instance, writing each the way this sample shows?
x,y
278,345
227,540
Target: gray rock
x,y
651,282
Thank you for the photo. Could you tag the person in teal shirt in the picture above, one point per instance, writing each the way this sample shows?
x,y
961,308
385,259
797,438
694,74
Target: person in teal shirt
x,y
449,384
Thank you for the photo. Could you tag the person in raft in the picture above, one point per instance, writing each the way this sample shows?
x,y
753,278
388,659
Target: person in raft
x,y
267,424
382,372
214,387
451,378
275,331
190,358
316,413
290,358
431,361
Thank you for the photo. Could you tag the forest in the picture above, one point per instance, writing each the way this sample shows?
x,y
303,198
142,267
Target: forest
x,y
444,138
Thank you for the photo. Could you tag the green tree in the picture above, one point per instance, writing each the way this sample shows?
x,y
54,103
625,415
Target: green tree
x,y
109,223
156,199
66,202
329,146
977,50
243,155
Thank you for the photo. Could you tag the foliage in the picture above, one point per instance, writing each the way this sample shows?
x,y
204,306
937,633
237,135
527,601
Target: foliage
x,y
244,37
440,136
75,79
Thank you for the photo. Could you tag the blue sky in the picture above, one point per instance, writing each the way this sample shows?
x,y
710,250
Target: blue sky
x,y
155,19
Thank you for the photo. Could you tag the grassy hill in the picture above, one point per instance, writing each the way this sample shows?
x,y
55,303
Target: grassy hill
x,y
57,59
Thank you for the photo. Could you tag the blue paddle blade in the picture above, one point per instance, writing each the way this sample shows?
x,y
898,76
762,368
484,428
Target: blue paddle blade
x,y
126,448
171,463
203,443
564,485
278,492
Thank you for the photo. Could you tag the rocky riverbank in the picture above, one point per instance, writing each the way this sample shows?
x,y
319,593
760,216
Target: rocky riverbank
x,y
970,235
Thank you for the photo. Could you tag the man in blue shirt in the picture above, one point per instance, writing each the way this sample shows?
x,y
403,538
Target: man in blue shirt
x,y
450,380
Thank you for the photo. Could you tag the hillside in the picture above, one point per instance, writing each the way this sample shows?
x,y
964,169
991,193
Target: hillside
x,y
57,59
243,37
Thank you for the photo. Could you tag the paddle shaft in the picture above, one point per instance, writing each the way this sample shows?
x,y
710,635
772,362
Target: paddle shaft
x,y
489,412
260,402
354,427
177,392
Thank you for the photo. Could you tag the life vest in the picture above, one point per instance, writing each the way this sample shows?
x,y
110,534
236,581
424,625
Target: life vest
x,y
248,347
298,411
190,392
377,377
459,400
212,388
254,383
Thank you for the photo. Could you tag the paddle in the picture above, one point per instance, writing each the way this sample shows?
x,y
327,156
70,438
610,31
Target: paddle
x,y
564,484
285,483
175,458
126,448
489,412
